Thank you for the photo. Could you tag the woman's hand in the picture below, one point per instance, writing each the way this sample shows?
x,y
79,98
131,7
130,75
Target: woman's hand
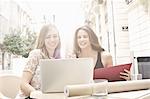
x,y
71,55
125,75
25,83
36,94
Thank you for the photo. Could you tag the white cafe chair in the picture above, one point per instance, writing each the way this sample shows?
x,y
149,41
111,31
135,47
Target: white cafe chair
x,y
9,85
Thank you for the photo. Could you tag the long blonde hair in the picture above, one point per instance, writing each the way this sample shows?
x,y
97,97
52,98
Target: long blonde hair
x,y
40,43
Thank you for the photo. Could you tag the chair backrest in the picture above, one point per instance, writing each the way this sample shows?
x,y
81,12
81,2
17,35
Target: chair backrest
x,y
144,66
9,85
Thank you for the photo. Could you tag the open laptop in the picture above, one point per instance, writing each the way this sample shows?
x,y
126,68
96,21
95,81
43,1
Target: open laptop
x,y
57,73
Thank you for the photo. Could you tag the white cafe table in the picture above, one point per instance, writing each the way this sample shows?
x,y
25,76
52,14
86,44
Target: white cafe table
x,y
141,94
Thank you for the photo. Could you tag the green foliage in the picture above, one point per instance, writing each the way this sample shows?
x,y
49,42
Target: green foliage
x,y
14,44
19,45
144,3
29,43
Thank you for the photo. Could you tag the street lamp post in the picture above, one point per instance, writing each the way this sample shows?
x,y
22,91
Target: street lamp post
x,y
53,18
3,53
44,18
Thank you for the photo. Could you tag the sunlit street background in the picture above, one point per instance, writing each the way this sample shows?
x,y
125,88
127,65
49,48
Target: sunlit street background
x,y
122,26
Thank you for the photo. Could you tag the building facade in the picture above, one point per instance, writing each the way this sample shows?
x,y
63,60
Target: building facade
x,y
14,17
139,27
123,27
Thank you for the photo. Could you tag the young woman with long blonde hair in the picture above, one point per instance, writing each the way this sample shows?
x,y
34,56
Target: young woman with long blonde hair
x,y
48,46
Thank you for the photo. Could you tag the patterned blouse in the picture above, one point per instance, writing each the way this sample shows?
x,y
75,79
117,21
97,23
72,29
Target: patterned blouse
x,y
33,67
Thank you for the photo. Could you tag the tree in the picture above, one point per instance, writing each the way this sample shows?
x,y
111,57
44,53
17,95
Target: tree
x,y
14,44
19,45
145,4
29,43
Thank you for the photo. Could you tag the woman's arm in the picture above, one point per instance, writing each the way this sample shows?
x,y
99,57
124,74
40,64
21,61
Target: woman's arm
x,y
25,83
106,59
107,62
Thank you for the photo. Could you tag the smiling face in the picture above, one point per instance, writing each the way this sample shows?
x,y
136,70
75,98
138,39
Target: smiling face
x,y
86,39
52,39
83,39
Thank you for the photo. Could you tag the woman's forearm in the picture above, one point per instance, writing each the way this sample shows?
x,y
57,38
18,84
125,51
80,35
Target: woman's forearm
x,y
26,88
